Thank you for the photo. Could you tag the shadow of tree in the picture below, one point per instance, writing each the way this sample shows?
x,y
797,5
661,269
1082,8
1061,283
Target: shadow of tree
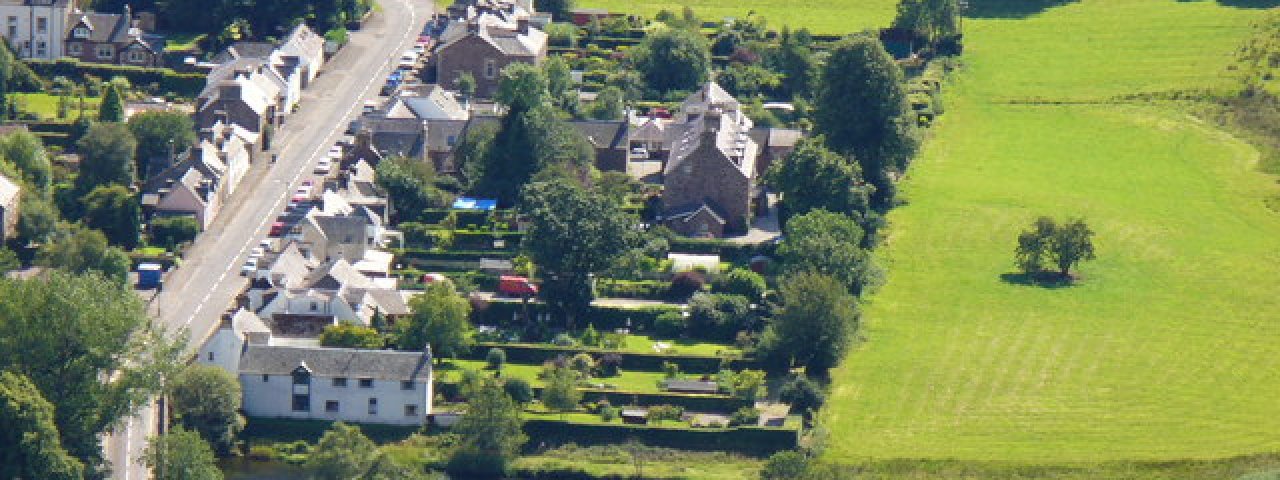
x,y
1050,280
1250,3
1018,8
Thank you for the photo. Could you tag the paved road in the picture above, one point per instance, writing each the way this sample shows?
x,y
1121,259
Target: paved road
x,y
204,286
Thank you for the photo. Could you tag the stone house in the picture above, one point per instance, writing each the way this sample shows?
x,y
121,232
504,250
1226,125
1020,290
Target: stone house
x,y
113,38
203,178
247,93
483,45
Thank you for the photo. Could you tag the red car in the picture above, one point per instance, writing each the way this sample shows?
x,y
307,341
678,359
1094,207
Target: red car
x,y
277,229
516,286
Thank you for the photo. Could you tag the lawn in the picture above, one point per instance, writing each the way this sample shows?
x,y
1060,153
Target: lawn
x,y
46,105
1169,347
616,462
681,346
827,17
628,380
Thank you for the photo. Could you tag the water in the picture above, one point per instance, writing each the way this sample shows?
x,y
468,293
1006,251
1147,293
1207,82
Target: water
x,y
246,469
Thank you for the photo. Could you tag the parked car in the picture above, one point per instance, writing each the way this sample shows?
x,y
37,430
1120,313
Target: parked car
x,y
429,278
323,167
266,245
250,267
277,229
516,286
370,106
303,190
257,252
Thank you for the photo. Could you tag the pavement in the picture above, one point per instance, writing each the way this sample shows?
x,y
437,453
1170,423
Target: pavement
x,y
197,292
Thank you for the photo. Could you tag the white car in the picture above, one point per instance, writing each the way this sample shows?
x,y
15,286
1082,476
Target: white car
x,y
323,167
303,191
250,267
257,252
266,245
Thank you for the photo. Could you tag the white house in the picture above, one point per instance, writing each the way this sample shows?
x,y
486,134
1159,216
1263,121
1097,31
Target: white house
x,y
318,383
10,196
36,28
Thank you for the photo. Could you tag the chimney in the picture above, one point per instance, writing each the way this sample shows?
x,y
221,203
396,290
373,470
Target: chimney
x,y
473,27
523,26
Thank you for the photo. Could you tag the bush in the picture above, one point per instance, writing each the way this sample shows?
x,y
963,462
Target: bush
x,y
740,281
664,412
173,231
519,390
669,325
609,414
758,441
745,416
719,316
802,393
671,369
685,284
583,364
184,84
564,340
610,365
496,358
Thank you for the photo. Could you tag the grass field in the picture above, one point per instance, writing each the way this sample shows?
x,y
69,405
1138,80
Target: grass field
x,y
46,105
1170,346
827,17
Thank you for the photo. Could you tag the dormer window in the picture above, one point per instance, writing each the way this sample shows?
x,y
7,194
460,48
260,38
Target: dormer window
x,y
80,32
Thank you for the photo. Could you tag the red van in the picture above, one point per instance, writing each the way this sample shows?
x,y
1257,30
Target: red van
x,y
516,286
277,229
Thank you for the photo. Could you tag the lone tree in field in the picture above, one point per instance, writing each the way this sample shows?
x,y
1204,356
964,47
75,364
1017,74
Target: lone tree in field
x,y
1049,244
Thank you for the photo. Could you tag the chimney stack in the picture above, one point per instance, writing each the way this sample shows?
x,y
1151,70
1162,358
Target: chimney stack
x,y
523,26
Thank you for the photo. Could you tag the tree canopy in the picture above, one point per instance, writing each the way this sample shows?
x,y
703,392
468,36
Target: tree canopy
x,y
440,318
181,454
27,154
812,177
816,324
673,59
573,234
930,19
343,453
1047,242
827,243
115,211
32,448
410,187
106,157
561,391
157,133
112,107
206,399
78,249
346,335
491,432
861,107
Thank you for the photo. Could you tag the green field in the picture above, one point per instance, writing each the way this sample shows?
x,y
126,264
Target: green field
x,y
46,105
827,17
1170,346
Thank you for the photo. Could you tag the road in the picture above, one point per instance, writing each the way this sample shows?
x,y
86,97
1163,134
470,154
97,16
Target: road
x,y
205,285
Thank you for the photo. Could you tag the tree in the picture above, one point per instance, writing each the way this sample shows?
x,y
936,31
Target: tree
x,y
718,316
930,19
785,465
522,87
471,152
1063,245
115,211
861,108
560,83
673,59
27,430
559,9
490,433
106,157
67,333
795,60
573,234
466,84
26,152
9,260
79,250
827,243
37,218
812,177
343,453
740,281
173,231
112,107
346,335
181,454
410,186
518,389
803,394
561,391
206,399
160,135
608,104
816,324
496,358
440,319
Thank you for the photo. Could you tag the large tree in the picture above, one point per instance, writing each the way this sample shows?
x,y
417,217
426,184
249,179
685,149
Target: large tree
x,y
160,135
559,9
561,390
181,454
439,318
861,107
346,335
673,59
30,437
812,177
1047,243
27,154
815,326
827,243
573,234
342,453
206,399
68,333
106,157
112,107
77,249
930,19
490,433
115,211
794,58
410,187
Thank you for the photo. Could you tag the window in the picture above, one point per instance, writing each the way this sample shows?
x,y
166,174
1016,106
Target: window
x,y
452,140
42,25
210,356
80,32
136,55
302,403
410,410
373,406
331,406
406,385
13,20
314,306
490,68
366,383
106,51
340,382
74,48
264,377
41,48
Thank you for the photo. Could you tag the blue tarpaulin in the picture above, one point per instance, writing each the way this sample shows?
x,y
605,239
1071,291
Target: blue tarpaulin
x,y
468,203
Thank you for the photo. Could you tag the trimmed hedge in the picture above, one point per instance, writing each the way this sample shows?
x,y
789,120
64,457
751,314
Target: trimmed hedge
x,y
184,84
652,362
755,441
642,289
617,398
409,255
288,430
728,251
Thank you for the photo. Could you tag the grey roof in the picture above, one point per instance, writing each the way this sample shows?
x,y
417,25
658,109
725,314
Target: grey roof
x,y
390,302
692,386
337,362
246,50
499,32
290,267
104,27
335,275
439,132
430,102
683,212
604,133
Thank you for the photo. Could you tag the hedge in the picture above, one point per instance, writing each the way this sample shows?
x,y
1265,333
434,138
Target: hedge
x,y
728,251
183,84
537,353
499,312
409,255
468,240
288,430
642,289
692,402
755,441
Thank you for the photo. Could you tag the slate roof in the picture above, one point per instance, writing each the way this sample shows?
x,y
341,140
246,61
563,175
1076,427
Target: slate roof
x,y
500,33
604,133
104,27
246,50
290,267
335,275
337,362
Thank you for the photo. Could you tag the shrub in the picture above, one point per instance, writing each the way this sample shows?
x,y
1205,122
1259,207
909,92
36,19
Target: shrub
x,y
590,337
802,393
685,284
346,335
519,390
664,412
583,364
496,358
670,324
719,316
609,414
173,231
610,365
563,340
740,281
670,369
745,416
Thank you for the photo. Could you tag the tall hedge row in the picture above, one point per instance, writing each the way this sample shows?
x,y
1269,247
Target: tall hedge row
x,y
756,441
183,84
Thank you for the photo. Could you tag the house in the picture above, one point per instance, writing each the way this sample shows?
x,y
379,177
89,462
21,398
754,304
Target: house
x,y
294,62
611,140
583,16
709,177
203,177
482,45
112,38
319,383
691,386
304,49
10,198
244,92
331,293
419,121
36,28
